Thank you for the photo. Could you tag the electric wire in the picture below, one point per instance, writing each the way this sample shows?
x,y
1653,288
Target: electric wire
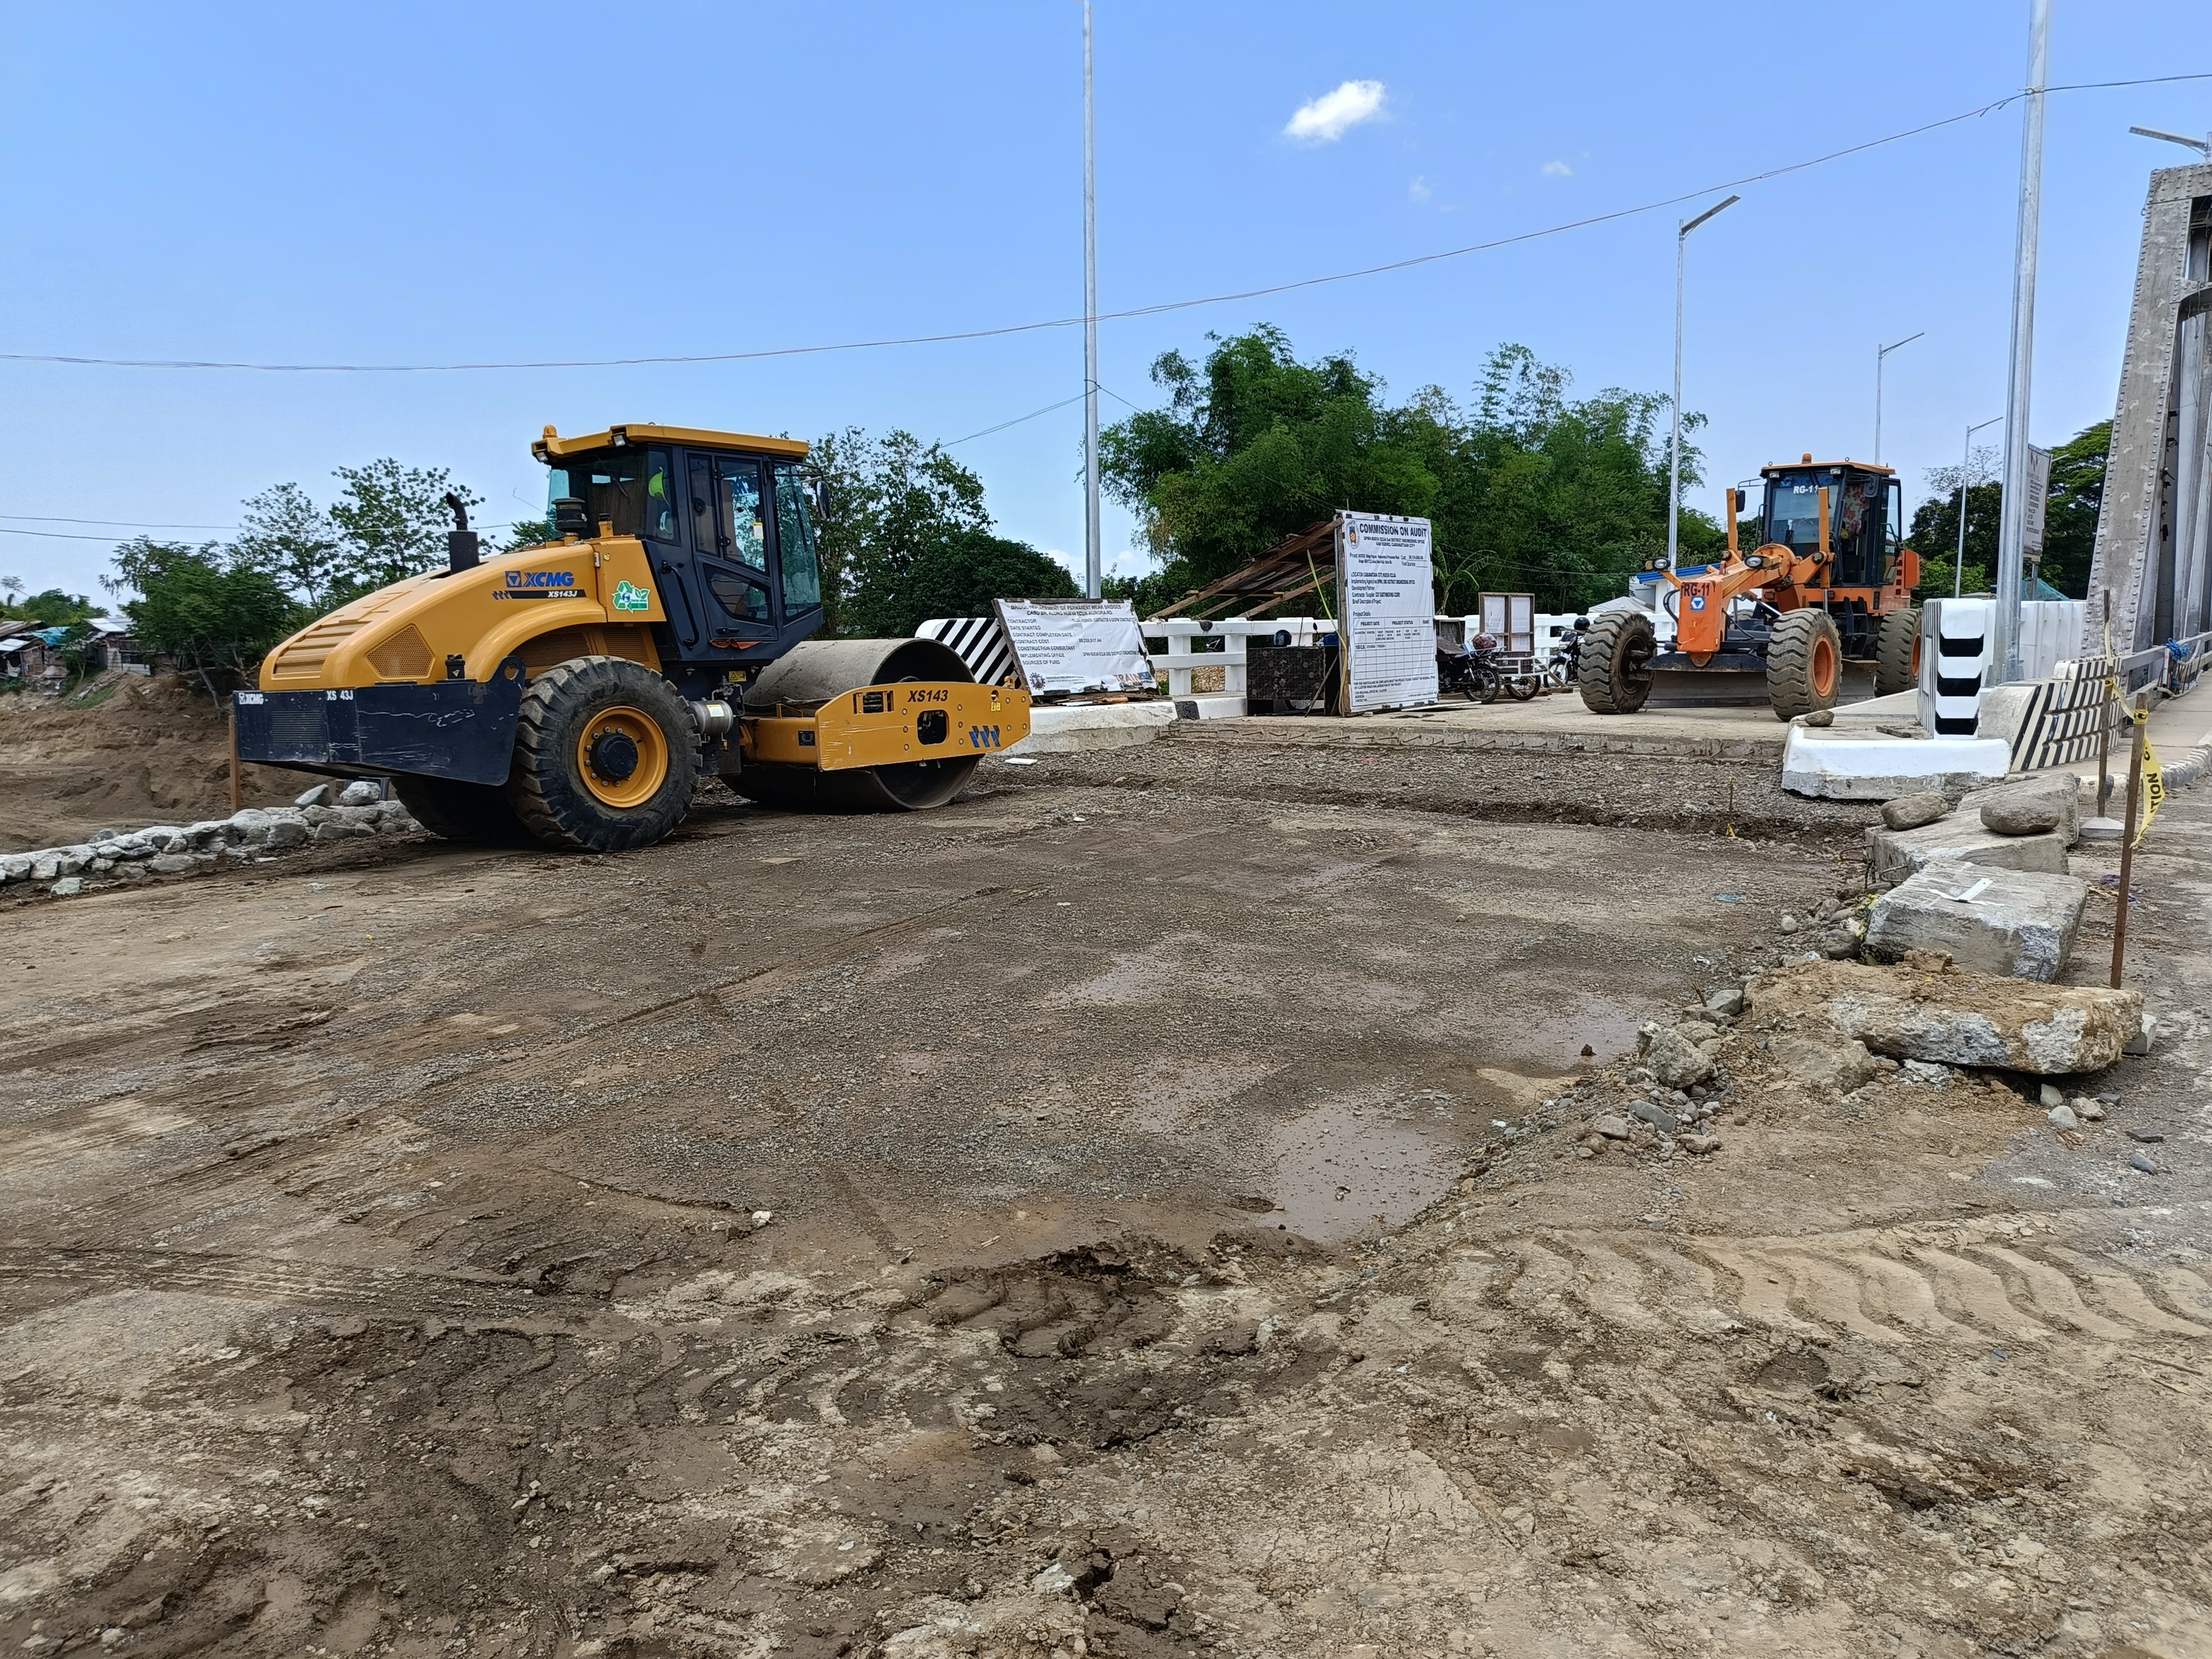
x,y
1157,309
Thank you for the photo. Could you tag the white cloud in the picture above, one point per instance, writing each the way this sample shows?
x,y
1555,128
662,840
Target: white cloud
x,y
1333,114
1558,170
1419,189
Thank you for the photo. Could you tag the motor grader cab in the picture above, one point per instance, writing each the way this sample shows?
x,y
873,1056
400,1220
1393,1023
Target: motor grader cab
x,y
572,693
1828,582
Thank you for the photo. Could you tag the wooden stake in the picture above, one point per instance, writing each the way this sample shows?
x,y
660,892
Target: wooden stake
x,y
236,803
2128,842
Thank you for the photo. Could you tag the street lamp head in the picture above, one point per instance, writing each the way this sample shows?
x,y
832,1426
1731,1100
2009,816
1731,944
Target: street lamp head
x,y
2202,146
1689,225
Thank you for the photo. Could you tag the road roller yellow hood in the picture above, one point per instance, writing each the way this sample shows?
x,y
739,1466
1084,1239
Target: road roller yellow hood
x,y
544,605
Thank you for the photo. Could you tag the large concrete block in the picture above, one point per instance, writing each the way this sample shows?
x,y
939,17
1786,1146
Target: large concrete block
x,y
1839,765
2013,923
1953,1018
1896,855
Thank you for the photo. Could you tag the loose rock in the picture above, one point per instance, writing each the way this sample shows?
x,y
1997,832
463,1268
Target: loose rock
x,y
1910,811
317,796
2051,1096
2062,1116
1676,1061
360,793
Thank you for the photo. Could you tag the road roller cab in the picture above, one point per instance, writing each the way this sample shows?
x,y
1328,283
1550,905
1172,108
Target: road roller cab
x,y
572,692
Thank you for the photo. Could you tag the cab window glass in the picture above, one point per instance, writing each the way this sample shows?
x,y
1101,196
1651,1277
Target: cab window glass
x,y
802,572
738,596
738,506
626,488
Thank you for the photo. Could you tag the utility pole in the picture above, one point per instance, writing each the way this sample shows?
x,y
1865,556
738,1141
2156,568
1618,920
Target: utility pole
x,y
1091,570
2012,533
1682,230
1881,356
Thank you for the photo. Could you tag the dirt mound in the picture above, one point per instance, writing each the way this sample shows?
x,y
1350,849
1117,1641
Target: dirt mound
x,y
123,753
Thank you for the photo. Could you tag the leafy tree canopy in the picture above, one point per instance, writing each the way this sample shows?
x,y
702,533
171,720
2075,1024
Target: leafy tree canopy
x,y
2069,524
904,536
49,609
1531,490
960,576
214,610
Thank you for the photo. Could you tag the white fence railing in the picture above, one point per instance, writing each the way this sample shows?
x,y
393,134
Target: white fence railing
x,y
1191,647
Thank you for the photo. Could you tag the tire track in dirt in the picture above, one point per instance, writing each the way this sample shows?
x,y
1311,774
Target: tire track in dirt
x,y
1884,1286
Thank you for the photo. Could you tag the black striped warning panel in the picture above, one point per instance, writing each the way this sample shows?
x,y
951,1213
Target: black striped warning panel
x,y
979,641
2060,723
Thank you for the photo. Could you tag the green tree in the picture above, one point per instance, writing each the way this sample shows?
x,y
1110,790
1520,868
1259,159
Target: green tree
x,y
215,612
1934,533
285,534
392,520
885,503
2069,516
961,575
530,532
1532,491
50,609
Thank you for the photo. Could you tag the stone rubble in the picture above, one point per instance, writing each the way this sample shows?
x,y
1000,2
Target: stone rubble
x,y
1926,1010
245,836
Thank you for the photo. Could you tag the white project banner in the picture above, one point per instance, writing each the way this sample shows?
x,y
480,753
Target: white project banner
x,y
1082,645
1386,582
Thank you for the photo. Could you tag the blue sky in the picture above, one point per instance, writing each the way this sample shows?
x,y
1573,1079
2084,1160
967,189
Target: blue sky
x,y
410,184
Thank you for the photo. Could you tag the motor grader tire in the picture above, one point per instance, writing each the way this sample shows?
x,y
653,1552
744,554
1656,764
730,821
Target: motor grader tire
x,y
475,814
1804,664
1615,676
1897,652
605,757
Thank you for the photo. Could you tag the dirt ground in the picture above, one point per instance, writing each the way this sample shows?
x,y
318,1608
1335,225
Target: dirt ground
x,y
1139,1209
129,752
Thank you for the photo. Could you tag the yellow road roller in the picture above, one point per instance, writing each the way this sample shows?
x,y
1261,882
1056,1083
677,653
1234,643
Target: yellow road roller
x,y
573,693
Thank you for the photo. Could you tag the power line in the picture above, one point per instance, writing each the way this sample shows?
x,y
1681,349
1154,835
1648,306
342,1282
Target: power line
x,y
1156,310
1017,420
128,524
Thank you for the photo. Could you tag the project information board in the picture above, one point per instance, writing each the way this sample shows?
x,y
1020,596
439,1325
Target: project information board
x,y
1387,580
1076,645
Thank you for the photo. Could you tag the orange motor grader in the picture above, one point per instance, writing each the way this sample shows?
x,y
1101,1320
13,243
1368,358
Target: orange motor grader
x,y
1826,582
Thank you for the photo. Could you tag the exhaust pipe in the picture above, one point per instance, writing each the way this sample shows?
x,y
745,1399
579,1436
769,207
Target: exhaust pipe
x,y
462,550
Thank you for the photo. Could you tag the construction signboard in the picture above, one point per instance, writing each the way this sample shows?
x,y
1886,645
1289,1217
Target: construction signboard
x,y
1067,646
1386,583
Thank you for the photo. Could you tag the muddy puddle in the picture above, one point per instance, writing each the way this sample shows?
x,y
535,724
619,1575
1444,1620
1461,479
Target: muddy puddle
x,y
1351,1167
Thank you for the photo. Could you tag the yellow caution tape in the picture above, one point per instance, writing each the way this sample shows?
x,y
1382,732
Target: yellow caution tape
x,y
2154,782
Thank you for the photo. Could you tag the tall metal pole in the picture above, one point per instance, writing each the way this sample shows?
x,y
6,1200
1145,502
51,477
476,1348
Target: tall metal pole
x,y
1674,438
1091,570
1682,230
2012,533
1881,356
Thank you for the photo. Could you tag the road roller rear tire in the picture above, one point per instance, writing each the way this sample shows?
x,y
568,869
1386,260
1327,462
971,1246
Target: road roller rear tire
x,y
1897,652
605,756
1804,664
1615,676
475,814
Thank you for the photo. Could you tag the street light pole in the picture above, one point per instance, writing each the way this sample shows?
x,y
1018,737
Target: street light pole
x,y
1674,442
1092,571
2012,535
1966,465
1880,354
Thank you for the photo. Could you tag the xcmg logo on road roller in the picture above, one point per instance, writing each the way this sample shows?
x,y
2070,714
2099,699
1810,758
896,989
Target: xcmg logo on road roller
x,y
541,584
